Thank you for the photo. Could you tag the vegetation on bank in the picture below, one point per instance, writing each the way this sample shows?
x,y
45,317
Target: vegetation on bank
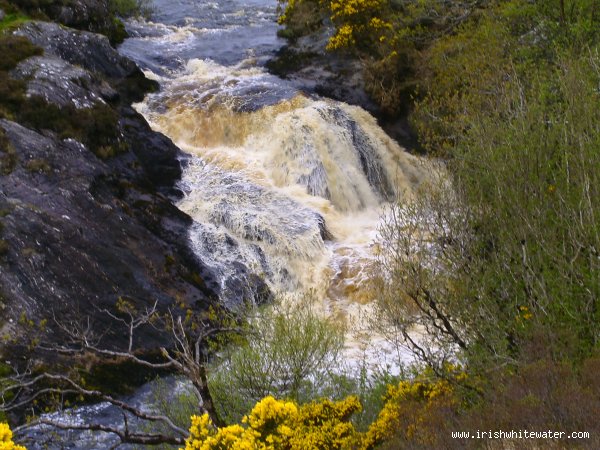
x,y
6,442
502,268
96,127
102,17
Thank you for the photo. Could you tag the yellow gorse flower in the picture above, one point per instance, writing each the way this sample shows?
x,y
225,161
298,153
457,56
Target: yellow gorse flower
x,y
6,442
278,424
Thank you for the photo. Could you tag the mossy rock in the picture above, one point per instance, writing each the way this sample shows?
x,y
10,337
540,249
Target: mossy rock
x,y
15,49
8,156
96,127
38,165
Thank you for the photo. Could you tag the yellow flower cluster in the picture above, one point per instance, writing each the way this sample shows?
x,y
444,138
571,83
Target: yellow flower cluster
x,y
6,442
412,397
343,37
325,425
357,21
524,313
345,8
275,424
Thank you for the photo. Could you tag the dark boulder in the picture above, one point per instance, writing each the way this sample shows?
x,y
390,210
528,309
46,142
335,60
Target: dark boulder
x,y
81,229
91,51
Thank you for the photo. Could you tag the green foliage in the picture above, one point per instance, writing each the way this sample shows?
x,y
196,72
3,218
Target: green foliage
x,y
130,8
117,33
300,17
544,199
289,351
515,225
14,49
12,20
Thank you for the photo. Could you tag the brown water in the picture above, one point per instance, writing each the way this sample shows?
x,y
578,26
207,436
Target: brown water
x,y
270,167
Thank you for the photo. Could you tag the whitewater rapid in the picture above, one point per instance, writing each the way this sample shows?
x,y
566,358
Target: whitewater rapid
x,y
281,184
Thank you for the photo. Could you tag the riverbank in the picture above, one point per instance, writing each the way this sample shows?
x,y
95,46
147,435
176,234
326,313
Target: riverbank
x,y
86,191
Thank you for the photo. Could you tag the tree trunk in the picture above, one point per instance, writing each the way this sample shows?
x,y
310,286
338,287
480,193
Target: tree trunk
x,y
201,384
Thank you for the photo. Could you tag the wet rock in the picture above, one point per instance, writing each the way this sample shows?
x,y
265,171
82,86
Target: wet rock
x,y
79,231
307,64
337,75
80,13
91,51
89,15
62,83
75,243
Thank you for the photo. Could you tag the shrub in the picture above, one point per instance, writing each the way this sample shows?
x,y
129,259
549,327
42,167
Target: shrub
x,y
6,442
289,351
15,49
283,425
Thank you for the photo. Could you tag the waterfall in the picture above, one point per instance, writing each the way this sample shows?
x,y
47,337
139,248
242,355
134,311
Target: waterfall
x,y
285,185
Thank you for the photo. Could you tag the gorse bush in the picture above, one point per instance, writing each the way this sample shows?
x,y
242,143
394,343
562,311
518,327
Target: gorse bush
x,y
6,442
411,408
277,424
398,40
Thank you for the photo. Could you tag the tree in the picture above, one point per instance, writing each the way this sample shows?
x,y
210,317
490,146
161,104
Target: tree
x,y
290,351
190,334
286,349
502,253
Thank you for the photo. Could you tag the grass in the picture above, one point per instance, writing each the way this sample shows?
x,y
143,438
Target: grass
x,y
8,156
38,165
12,21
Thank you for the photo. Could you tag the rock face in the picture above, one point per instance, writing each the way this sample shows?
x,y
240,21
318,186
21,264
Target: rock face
x,y
306,63
62,83
79,231
88,15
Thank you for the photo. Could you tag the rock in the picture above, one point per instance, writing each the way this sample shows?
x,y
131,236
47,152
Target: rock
x,y
310,66
2,14
337,75
62,83
89,15
78,232
91,51
75,243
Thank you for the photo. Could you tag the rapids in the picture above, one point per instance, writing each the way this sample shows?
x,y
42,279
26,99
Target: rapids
x,y
281,183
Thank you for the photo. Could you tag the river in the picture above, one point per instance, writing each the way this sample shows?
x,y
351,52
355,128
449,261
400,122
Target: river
x,y
281,183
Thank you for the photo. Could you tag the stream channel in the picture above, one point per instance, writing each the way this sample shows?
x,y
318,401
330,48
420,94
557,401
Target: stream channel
x,y
281,183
